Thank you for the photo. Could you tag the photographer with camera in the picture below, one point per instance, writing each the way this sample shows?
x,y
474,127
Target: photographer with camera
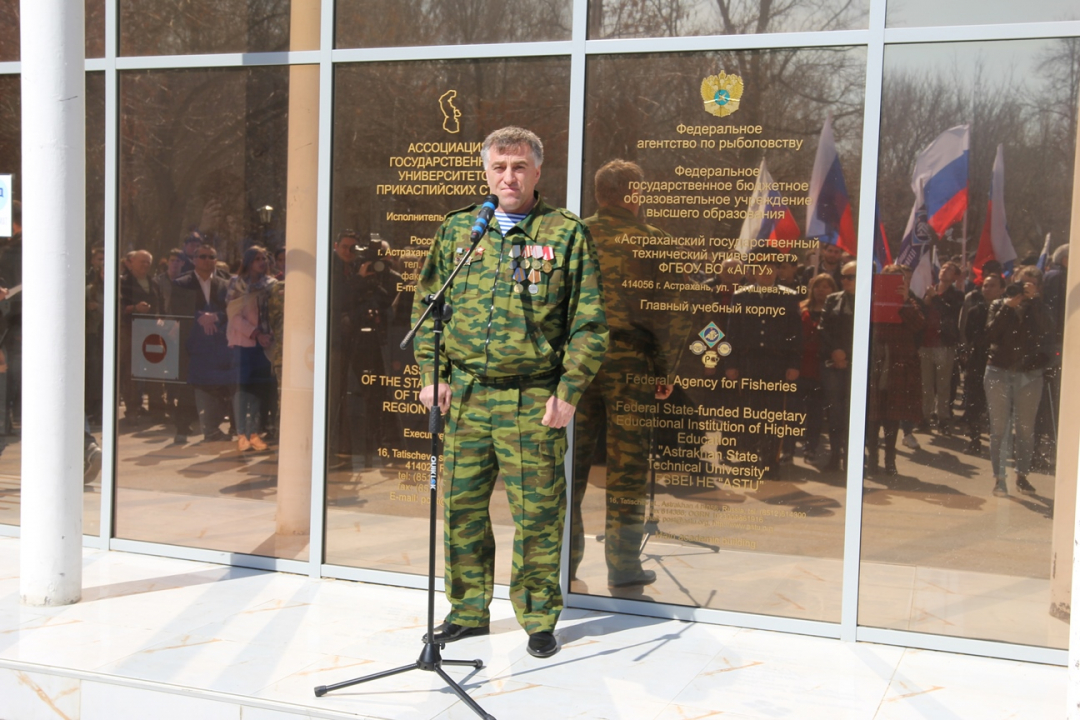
x,y
1021,331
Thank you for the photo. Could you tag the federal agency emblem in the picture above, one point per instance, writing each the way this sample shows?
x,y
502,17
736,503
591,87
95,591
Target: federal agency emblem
x,y
697,347
711,334
724,349
711,359
721,93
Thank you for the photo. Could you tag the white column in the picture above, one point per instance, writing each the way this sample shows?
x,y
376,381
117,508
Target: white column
x,y
54,236
1067,440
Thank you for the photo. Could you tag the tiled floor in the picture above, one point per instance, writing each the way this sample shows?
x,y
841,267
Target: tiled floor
x,y
161,638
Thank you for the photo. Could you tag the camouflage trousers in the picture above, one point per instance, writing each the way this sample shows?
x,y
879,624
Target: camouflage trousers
x,y
494,431
627,461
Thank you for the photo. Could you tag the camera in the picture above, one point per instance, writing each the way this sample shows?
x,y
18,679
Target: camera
x,y
371,252
1014,289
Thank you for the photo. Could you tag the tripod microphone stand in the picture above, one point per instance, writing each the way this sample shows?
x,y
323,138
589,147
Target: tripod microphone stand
x,y
431,659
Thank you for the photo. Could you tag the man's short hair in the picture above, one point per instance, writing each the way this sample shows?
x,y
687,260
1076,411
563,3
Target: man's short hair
x,y
175,253
951,264
511,137
207,246
612,181
991,266
1062,253
193,236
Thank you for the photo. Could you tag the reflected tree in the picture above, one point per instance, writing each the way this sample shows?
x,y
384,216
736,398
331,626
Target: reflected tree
x,y
203,26
675,18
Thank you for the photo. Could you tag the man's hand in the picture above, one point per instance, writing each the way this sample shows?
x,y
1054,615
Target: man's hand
x,y
663,392
839,359
265,339
427,397
559,413
208,322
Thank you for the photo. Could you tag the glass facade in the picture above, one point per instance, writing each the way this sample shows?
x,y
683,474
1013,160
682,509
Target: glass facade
x,y
749,294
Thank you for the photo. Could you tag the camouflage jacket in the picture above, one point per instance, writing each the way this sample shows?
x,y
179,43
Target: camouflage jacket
x,y
498,330
629,280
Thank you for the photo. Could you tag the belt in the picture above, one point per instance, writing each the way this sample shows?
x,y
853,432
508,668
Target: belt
x,y
507,381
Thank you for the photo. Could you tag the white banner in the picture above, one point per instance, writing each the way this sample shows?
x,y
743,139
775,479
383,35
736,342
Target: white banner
x,y
155,349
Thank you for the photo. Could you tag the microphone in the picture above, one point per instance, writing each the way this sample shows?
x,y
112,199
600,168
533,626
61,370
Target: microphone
x,y
484,218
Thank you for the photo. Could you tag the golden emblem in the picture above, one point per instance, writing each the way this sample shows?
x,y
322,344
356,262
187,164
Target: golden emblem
x,y
721,93
711,359
451,115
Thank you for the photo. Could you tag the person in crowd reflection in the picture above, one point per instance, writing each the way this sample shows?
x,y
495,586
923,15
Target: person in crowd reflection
x,y
837,331
249,336
345,322
811,393
895,383
522,345
139,295
279,264
1054,290
190,249
200,295
941,306
11,254
787,275
767,347
832,261
1021,335
95,329
639,346
174,268
975,351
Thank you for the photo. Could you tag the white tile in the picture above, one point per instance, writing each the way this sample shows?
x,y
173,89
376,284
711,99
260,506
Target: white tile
x,y
104,701
38,696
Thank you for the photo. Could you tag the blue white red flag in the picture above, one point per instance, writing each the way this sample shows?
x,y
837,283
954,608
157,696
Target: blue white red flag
x,y
995,243
758,227
940,178
828,218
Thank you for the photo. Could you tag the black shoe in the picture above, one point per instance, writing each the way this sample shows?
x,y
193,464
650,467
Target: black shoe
x,y
641,577
216,436
543,644
974,446
449,632
890,466
786,458
1022,484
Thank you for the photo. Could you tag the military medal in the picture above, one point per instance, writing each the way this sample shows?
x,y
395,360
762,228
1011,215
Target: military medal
x,y
526,264
519,278
534,278
518,288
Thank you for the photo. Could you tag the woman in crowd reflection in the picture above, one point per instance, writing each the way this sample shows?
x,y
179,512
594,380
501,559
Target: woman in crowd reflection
x,y
810,388
249,335
895,383
974,352
1020,330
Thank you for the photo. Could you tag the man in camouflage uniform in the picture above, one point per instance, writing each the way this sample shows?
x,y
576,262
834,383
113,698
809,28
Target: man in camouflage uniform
x,y
526,337
640,345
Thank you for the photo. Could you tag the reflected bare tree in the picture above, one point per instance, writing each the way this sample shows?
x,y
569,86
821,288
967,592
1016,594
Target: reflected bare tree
x,y
675,18
1036,125
384,23
203,26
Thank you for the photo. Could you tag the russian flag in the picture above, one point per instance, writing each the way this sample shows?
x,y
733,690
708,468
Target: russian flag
x,y
828,218
766,198
882,256
941,177
995,243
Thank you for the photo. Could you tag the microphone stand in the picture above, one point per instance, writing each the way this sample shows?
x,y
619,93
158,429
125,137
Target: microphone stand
x,y
430,659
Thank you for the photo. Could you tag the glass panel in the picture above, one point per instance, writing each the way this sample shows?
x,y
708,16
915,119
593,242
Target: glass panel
x,y
915,13
389,23
95,296
11,275
682,18
390,191
947,547
95,28
206,332
9,30
702,478
216,26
